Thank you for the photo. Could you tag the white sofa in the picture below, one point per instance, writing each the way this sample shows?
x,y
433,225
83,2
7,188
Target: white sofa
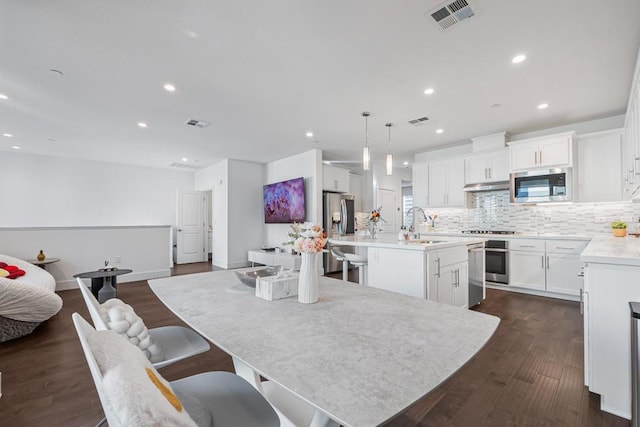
x,y
26,301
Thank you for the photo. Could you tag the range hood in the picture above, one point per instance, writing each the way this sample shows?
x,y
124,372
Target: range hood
x,y
487,186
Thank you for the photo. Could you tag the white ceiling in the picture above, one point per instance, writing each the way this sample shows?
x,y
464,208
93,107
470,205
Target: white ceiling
x,y
266,72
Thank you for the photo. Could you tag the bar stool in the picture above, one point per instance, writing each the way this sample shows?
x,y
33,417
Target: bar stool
x,y
340,256
361,262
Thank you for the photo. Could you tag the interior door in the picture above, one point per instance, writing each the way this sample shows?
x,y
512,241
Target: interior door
x,y
387,199
190,242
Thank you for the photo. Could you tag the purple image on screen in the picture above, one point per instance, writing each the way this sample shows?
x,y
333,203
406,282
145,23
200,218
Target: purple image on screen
x,y
284,201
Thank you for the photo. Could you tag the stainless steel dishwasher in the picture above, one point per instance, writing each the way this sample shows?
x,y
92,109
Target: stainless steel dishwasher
x,y
476,273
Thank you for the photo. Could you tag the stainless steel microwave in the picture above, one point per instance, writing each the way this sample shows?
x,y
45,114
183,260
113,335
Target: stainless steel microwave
x,y
541,186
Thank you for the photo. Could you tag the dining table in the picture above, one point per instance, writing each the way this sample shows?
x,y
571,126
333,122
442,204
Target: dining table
x,y
359,355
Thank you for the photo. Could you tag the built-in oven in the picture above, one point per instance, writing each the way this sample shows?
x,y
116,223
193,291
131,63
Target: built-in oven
x,y
496,254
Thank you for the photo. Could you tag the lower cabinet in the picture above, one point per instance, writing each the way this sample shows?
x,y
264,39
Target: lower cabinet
x,y
448,281
552,265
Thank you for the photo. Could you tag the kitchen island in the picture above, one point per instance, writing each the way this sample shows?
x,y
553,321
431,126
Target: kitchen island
x,y
436,270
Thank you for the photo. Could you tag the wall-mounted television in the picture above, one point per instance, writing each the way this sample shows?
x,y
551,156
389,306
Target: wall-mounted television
x,y
284,202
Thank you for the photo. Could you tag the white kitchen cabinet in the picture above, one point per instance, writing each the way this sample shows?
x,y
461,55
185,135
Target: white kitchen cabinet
x,y
448,281
600,159
608,289
631,139
527,269
487,167
552,265
396,270
446,180
421,184
335,179
548,151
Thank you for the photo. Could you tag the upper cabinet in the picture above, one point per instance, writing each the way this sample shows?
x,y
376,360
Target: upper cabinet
x,y
487,167
631,138
548,151
446,180
421,184
599,175
335,179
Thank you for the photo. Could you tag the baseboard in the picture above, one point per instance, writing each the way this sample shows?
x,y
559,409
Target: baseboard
x,y
532,292
64,285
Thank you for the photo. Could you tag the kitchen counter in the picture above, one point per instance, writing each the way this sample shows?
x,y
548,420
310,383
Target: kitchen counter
x,y
612,250
432,234
391,242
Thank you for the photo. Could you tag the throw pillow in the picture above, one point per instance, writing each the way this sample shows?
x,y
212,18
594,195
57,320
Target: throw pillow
x,y
10,271
121,318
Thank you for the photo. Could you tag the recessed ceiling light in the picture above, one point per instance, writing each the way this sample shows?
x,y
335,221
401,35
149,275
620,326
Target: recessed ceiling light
x,y
8,135
3,96
542,106
309,134
405,163
169,87
428,91
184,159
518,59
440,131
51,140
142,124
15,147
496,106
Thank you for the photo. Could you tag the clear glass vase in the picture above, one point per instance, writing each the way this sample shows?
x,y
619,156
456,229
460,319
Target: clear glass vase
x,y
373,230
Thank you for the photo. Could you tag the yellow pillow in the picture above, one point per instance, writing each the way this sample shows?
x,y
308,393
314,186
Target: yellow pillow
x,y
166,391
3,272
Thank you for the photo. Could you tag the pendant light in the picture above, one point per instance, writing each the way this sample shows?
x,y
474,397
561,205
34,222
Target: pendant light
x,y
366,158
389,155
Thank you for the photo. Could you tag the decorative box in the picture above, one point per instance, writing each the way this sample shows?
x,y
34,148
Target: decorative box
x,y
272,288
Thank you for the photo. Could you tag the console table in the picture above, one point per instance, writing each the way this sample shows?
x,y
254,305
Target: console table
x,y
287,260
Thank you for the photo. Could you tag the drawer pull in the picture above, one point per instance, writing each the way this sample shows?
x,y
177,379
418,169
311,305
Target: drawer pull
x,y
526,246
565,247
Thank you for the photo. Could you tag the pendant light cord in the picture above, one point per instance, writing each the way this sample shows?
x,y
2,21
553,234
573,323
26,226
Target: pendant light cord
x,y
388,125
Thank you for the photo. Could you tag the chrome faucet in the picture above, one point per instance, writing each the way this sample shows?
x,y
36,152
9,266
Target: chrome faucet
x,y
413,211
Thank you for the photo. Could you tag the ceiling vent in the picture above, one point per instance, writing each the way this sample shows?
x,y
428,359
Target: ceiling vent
x,y
184,166
197,123
419,121
450,13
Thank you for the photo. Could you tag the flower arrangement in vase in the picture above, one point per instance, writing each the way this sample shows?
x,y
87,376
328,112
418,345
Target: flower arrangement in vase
x,y
308,239
374,218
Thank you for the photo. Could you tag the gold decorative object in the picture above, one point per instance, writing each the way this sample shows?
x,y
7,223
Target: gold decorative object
x,y
41,256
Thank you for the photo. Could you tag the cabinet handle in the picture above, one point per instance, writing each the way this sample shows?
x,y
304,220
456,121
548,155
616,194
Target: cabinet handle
x,y
547,262
582,292
542,261
536,158
565,247
453,278
526,246
540,157
458,277
489,173
438,271
635,165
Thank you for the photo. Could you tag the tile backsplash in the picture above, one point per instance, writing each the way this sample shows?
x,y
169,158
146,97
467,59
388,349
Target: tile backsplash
x,y
492,210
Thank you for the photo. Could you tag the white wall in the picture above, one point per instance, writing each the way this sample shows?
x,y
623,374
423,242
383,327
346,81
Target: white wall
x,y
53,191
307,165
144,249
216,178
246,219
237,209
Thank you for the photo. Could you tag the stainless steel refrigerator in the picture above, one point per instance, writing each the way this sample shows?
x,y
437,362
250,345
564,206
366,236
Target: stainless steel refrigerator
x,y
338,213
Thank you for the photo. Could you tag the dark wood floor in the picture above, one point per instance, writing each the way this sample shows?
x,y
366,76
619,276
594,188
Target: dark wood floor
x,y
529,374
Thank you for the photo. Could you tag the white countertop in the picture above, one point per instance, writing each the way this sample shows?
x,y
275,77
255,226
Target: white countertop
x,y
392,242
613,250
508,236
359,354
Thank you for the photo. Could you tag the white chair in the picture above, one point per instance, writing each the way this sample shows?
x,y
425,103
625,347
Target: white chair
x,y
361,262
340,256
231,400
175,342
